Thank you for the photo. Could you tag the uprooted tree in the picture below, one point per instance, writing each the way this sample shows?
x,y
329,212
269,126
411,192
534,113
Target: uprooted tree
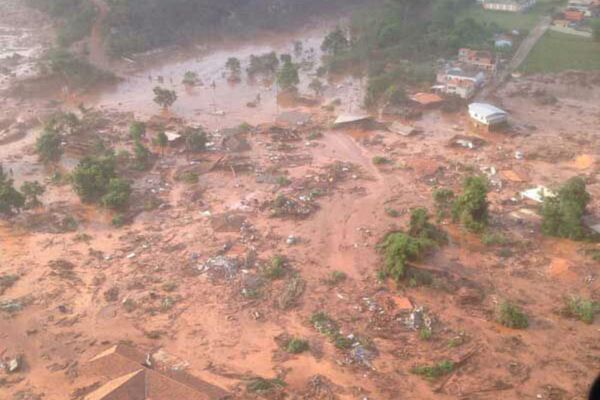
x,y
562,214
401,248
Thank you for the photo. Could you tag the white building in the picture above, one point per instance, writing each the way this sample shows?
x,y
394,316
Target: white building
x,y
508,5
487,114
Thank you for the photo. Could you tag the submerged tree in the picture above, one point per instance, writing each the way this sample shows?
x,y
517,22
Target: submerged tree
x,y
190,78
117,194
234,66
161,141
562,214
91,177
287,78
164,97
316,86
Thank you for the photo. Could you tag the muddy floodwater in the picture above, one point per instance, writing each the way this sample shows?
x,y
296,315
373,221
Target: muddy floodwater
x,y
215,102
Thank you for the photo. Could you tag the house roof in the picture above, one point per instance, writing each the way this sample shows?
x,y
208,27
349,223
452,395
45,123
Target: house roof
x,y
129,379
485,110
350,118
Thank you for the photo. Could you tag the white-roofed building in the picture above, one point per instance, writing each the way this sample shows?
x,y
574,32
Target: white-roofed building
x,y
487,114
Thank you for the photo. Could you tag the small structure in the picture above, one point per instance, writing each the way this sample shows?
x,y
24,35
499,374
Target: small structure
x,y
403,129
487,114
173,137
537,194
508,5
503,42
426,100
357,121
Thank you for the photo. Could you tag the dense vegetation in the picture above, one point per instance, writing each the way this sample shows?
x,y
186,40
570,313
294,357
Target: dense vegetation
x,y
399,40
401,248
74,17
562,214
139,25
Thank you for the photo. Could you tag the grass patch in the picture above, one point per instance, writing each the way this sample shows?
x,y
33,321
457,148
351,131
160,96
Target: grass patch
x,y
494,239
425,333
511,316
380,160
262,385
557,52
296,346
275,269
434,371
336,277
581,309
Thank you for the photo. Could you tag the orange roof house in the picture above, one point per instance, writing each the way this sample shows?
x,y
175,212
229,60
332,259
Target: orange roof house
x,y
574,15
130,379
426,99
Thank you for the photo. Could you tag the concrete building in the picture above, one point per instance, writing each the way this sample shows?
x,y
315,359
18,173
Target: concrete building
x,y
487,114
460,82
508,5
482,59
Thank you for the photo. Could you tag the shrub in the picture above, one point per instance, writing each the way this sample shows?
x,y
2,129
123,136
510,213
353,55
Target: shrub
x,y
195,140
142,156
48,146
433,371
581,309
117,195
470,209
287,78
296,346
10,199
261,385
425,333
31,191
137,130
562,214
443,199
275,270
91,178
511,316
118,220
189,177
494,239
392,212
336,277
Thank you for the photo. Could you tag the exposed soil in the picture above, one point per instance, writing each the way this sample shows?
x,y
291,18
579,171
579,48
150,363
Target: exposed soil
x,y
188,277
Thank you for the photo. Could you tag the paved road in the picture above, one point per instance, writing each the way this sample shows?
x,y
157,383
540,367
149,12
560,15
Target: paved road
x,y
519,57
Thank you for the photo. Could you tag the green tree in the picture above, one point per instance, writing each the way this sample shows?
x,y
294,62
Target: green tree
x,y
48,146
470,209
195,140
91,177
31,191
287,78
562,214
335,42
161,141
10,199
164,97
137,130
117,194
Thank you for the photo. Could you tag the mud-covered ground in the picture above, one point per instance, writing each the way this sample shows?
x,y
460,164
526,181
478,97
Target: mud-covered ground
x,y
191,277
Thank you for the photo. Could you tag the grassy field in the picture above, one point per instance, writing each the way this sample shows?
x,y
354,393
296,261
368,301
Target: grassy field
x,y
508,20
557,52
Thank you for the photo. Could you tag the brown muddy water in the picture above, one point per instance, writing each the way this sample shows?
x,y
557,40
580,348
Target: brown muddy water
x,y
217,103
